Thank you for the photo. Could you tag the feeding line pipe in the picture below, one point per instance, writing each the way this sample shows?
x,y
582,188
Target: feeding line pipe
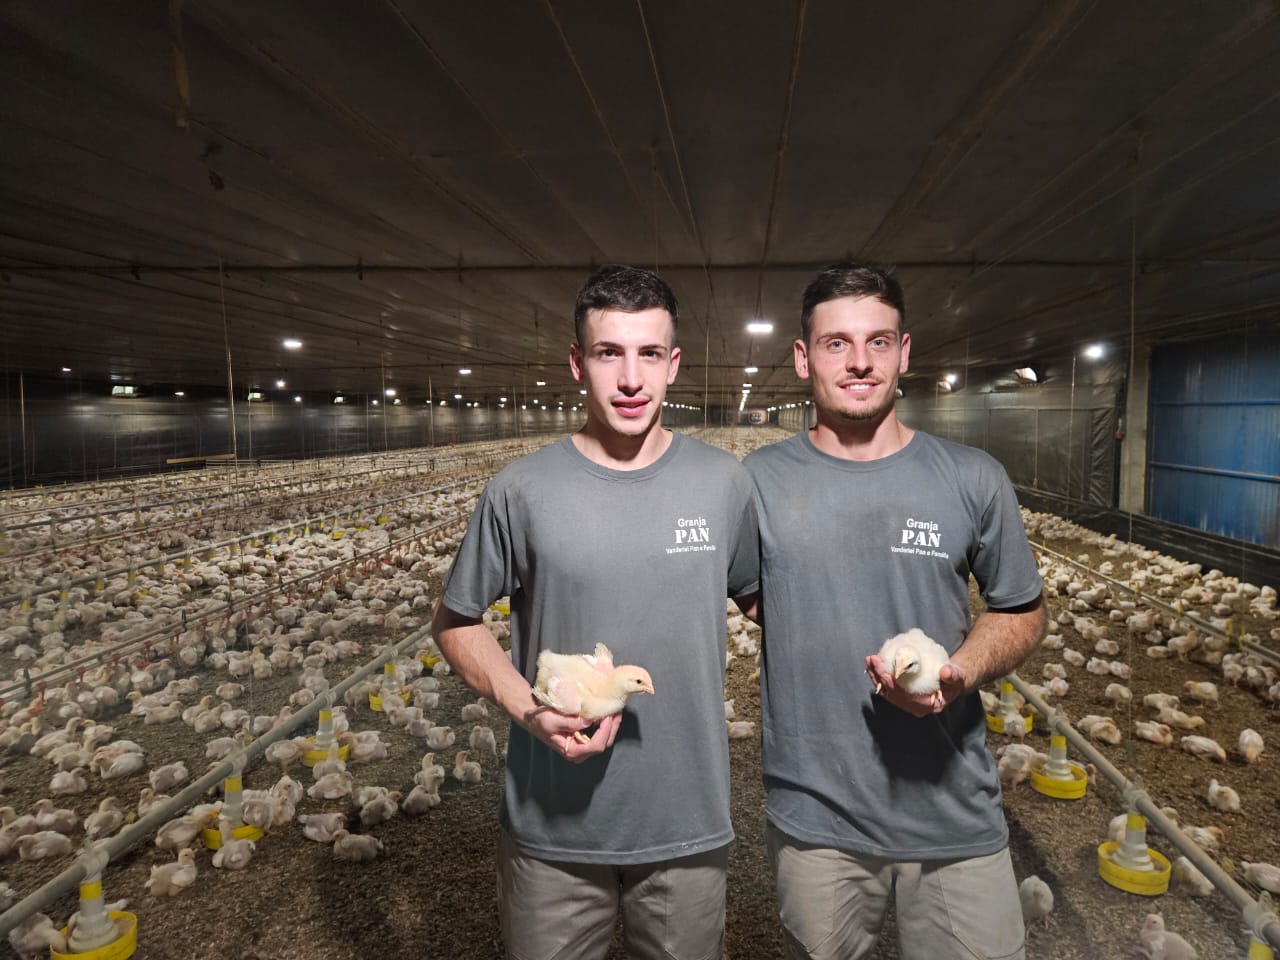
x,y
1193,618
91,860
1261,919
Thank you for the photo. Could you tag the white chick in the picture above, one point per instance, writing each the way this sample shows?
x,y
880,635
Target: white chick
x,y
586,685
1203,691
49,817
1103,729
1057,687
1155,732
1159,701
1179,720
915,662
482,738
105,821
1073,657
181,831
1116,827
331,786
1250,745
170,879
471,712
1050,671
67,782
169,776
1264,875
322,827
1098,666
1221,797
1186,875
438,738
356,847
44,843
233,854
1108,648
1205,748
1119,669
1118,693
380,809
1162,944
465,770
419,801
728,710
431,775
1037,900
32,938
740,729
1208,839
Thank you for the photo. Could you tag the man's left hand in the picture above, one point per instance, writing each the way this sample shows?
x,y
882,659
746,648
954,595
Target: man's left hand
x,y
952,687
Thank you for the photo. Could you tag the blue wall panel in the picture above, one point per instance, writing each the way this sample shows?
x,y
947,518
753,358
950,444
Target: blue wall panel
x,y
1214,436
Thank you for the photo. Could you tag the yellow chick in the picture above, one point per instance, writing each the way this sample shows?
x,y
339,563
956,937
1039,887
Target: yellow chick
x,y
587,685
170,879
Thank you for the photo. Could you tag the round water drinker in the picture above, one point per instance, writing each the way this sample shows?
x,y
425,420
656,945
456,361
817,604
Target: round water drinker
x,y
119,949
996,723
1259,950
213,837
429,660
1148,883
1058,777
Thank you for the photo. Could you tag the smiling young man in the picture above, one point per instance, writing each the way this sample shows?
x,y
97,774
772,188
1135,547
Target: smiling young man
x,y
867,529
629,535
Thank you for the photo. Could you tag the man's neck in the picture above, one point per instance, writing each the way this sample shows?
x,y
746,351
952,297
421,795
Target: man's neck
x,y
860,439
609,449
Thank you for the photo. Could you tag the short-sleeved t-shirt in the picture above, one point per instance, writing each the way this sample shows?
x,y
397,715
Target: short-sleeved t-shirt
x,y
853,553
642,561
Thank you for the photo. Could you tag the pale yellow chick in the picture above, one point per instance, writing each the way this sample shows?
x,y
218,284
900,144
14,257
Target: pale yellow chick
x,y
915,661
170,879
587,685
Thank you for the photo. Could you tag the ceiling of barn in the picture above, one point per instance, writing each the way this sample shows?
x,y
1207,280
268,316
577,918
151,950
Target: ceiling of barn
x,y
412,187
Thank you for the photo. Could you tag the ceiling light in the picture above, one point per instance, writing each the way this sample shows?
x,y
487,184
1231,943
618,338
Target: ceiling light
x,y
66,369
464,370
944,386
292,344
280,384
583,392
297,399
502,399
746,386
396,400
751,369
390,391
1026,374
759,326
457,396
255,394
339,399
1094,351
950,378
444,403
539,383
179,393
122,390
374,402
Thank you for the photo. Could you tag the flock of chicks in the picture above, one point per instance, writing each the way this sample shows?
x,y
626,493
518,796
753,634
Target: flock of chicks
x,y
91,730
1114,622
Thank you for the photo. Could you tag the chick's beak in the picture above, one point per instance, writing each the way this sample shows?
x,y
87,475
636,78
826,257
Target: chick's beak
x,y
646,686
904,661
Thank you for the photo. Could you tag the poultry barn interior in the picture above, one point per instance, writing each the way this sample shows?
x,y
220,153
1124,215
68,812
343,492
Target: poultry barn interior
x,y
282,286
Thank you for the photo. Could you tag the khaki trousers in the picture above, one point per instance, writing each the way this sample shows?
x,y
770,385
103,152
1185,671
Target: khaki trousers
x,y
671,910
833,904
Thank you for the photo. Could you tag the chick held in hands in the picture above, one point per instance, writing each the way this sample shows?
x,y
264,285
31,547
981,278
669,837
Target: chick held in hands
x,y
914,662
587,685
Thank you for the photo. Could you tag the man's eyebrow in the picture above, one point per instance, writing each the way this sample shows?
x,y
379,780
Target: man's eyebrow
x,y
618,346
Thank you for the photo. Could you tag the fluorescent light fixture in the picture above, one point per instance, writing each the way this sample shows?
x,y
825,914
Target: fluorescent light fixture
x,y
524,406
759,326
292,344
297,399
464,370
944,386
374,402
1094,351
339,399
122,390
390,391
66,369
179,393
746,386
951,378
444,403
502,399
539,383
280,384
1026,375
457,396
751,369
255,395
396,401
583,392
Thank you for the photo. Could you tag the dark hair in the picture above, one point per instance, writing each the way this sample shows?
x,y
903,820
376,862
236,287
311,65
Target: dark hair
x,y
852,278
629,289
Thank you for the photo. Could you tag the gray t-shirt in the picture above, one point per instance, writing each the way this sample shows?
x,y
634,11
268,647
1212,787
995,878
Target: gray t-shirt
x,y
640,560
852,554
